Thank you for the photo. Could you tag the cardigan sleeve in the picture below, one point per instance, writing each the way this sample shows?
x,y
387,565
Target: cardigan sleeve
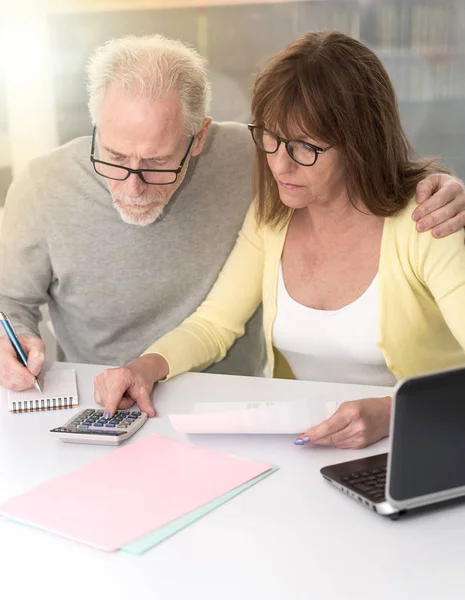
x,y
442,270
206,336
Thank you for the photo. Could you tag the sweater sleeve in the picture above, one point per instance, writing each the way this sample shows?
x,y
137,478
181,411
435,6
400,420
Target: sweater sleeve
x,y
206,336
442,270
25,269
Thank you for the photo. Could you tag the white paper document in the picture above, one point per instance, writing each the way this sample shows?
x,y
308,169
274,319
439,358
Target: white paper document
x,y
60,391
287,416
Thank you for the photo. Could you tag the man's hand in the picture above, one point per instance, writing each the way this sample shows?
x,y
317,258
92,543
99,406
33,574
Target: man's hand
x,y
442,204
13,375
355,424
120,388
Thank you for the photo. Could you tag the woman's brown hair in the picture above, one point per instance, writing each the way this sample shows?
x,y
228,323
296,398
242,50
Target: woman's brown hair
x,y
329,86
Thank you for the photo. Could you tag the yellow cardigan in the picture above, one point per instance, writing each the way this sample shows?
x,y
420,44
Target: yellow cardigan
x,y
421,299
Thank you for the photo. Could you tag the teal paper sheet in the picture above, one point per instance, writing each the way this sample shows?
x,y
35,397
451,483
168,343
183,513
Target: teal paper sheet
x,y
159,535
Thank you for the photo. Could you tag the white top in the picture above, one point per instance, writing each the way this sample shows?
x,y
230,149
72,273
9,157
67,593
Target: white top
x,y
331,345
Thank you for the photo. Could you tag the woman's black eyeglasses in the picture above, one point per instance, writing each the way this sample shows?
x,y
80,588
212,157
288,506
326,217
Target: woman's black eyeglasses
x,y
302,153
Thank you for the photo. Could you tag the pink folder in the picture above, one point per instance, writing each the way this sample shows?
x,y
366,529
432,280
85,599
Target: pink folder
x,y
132,491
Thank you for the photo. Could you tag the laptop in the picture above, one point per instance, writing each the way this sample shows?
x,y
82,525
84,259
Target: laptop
x,y
426,461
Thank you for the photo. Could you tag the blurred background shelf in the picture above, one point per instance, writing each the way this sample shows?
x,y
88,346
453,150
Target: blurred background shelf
x,y
421,43
85,6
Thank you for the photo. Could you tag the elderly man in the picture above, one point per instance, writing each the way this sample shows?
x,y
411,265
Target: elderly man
x,y
110,231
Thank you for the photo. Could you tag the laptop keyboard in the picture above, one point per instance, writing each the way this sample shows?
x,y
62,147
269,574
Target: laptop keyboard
x,y
370,483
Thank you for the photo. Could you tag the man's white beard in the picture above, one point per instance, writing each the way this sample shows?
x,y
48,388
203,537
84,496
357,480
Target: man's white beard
x,y
146,209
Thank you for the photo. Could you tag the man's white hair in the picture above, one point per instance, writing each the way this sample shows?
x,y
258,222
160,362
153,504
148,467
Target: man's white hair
x,y
151,65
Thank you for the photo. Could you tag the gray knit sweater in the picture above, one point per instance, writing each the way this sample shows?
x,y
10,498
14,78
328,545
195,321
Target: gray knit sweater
x,y
114,288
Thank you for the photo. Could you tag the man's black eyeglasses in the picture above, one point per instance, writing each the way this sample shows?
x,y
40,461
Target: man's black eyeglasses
x,y
149,176
302,153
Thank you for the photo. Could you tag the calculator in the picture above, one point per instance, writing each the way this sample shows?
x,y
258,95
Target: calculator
x,y
89,427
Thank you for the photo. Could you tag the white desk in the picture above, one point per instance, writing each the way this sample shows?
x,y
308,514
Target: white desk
x,y
291,536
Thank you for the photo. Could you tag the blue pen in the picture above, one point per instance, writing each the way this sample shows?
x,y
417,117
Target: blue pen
x,y
8,327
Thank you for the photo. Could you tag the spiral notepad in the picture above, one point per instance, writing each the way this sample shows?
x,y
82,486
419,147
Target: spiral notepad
x,y
60,391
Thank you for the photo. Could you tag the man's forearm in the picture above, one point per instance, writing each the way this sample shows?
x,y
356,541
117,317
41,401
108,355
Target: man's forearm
x,y
25,318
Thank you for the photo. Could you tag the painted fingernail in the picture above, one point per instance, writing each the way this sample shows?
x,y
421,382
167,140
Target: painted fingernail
x,y
298,442
305,439
106,415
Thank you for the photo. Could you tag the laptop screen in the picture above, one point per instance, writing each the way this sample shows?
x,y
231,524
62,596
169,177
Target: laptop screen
x,y
428,439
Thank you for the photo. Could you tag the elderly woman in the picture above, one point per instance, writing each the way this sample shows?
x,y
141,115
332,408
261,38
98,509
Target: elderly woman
x,y
351,291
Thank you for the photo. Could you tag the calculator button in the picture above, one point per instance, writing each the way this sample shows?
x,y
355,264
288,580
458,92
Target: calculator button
x,y
98,425
110,425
